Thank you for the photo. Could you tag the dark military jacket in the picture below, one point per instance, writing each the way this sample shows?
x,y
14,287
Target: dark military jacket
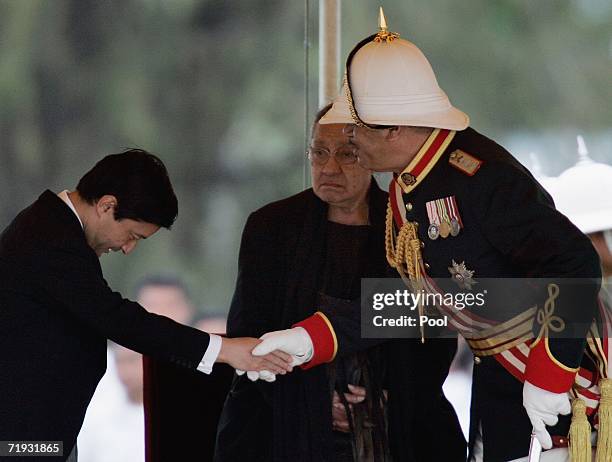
x,y
509,229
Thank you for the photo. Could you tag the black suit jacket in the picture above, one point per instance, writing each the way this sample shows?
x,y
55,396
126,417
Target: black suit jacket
x,y
56,312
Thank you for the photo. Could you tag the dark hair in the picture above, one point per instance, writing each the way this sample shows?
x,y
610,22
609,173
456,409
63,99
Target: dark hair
x,y
139,180
161,280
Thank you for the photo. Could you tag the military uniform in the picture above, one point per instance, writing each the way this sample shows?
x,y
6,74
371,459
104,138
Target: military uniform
x,y
507,228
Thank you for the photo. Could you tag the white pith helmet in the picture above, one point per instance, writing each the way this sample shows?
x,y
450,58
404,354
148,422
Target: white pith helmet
x,y
583,193
390,82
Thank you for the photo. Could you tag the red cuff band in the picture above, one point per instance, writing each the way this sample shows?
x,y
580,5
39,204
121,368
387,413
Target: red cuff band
x,y
544,371
323,338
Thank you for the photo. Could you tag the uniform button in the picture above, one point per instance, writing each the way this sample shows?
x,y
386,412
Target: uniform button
x,y
422,245
409,206
427,265
477,360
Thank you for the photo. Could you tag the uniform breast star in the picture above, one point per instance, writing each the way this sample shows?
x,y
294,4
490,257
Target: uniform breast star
x,y
462,276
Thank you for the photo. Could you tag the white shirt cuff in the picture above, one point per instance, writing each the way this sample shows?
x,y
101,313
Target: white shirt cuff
x,y
210,356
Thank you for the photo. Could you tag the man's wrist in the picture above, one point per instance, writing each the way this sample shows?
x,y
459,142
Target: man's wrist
x,y
212,354
322,338
546,372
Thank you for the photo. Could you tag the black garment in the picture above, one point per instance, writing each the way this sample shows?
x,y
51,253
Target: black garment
x,y
279,272
347,257
511,230
56,312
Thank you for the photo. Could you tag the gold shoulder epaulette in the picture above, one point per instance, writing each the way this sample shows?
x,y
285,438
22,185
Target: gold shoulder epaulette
x,y
465,162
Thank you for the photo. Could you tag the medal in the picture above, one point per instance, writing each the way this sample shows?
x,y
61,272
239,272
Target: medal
x,y
444,218
454,227
433,231
445,229
442,210
453,212
434,222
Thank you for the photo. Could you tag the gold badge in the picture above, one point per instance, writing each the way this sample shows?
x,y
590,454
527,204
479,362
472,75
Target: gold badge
x,y
461,275
465,162
408,178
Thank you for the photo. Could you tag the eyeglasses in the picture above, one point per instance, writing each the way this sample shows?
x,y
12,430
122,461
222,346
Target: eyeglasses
x,y
320,156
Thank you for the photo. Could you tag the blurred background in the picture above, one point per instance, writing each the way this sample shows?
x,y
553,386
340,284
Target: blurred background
x,y
217,89
223,92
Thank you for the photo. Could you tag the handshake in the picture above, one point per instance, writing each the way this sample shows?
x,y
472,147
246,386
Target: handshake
x,y
275,353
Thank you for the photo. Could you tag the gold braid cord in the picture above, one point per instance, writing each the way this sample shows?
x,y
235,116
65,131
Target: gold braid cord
x,y
404,254
403,250
351,104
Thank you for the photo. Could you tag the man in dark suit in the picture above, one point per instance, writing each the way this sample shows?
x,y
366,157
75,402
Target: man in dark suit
x,y
56,309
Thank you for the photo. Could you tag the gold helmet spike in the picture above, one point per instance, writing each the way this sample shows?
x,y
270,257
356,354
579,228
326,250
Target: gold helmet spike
x,y
383,33
382,22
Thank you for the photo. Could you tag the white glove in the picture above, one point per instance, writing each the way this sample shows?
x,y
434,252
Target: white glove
x,y
253,376
294,341
543,408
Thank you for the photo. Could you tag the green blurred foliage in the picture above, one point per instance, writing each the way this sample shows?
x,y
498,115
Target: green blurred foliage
x,y
217,89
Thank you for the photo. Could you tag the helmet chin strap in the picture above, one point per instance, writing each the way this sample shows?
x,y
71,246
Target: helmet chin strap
x,y
347,80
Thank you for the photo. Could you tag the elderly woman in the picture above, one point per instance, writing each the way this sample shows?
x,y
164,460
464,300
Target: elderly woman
x,y
296,254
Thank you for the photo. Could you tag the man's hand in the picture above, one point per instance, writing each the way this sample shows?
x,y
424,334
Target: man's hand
x,y
237,353
543,408
295,341
340,418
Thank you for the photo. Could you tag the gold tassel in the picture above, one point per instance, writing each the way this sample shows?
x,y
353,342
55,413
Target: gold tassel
x,y
604,434
579,434
404,254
